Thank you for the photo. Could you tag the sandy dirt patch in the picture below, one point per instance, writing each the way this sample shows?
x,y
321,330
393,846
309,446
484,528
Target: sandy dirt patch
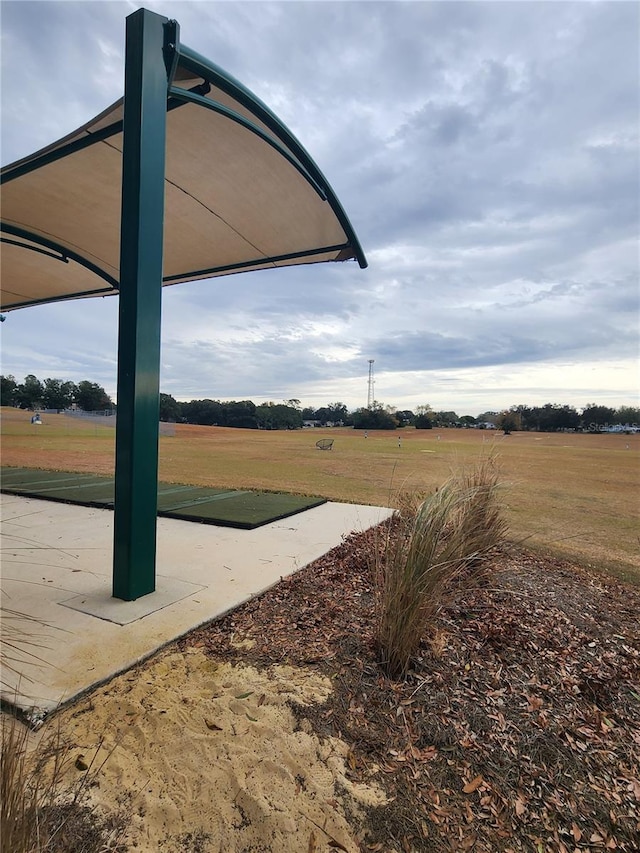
x,y
209,756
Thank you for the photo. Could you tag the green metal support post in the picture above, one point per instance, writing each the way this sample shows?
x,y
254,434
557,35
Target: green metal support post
x,y
141,245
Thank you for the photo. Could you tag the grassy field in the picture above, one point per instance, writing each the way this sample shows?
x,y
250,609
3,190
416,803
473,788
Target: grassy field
x,y
574,495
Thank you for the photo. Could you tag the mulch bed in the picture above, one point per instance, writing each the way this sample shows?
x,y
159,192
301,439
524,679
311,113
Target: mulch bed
x,y
518,726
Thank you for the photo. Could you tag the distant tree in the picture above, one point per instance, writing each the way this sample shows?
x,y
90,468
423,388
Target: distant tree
x,y
8,387
468,420
445,419
92,397
423,421
293,402
58,394
333,413
405,417
627,415
338,412
507,422
240,414
377,417
486,418
28,395
362,418
566,417
517,418
203,412
278,416
523,416
597,416
424,417
552,417
170,409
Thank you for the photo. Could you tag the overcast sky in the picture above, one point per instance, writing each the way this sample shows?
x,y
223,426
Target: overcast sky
x,y
486,154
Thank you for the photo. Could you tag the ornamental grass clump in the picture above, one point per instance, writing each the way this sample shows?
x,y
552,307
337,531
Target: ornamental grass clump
x,y
427,549
477,519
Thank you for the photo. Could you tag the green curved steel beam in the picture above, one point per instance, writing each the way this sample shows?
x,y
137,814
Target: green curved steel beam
x,y
247,265
65,252
55,255
10,172
51,300
17,170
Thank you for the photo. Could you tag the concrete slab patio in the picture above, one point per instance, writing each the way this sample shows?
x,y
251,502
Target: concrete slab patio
x,y
57,569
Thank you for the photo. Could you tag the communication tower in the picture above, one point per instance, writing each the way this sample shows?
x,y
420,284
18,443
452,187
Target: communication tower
x,y
370,395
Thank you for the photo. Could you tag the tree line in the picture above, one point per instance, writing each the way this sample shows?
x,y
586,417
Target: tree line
x,y
53,394
552,417
59,395
234,413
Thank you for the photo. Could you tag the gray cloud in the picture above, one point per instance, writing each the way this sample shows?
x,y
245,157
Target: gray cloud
x,y
486,154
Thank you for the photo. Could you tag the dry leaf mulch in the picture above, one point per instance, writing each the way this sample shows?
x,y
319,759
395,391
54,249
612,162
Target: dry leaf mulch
x,y
518,727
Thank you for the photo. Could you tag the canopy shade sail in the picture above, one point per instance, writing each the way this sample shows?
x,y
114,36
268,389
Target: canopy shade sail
x,y
240,191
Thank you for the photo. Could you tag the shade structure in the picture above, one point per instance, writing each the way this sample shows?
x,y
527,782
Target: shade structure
x,y
241,193
189,176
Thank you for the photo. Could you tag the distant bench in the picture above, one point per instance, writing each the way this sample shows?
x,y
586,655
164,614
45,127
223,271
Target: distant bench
x,y
324,444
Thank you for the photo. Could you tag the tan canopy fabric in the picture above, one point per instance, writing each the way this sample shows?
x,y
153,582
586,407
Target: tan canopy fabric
x,y
232,202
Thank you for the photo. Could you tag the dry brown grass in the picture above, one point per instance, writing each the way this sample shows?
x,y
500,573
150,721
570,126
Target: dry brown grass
x,y
572,494
21,640
40,812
